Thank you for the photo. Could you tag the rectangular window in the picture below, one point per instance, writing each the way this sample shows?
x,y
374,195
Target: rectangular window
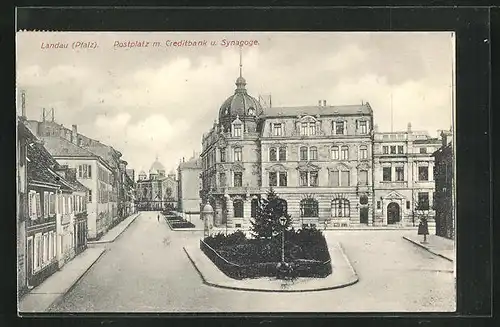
x,y
378,205
238,179
385,149
303,153
344,154
400,149
89,171
335,153
313,177
36,252
393,149
334,178
278,130
283,179
303,129
45,248
222,155
400,174
237,130
423,173
423,150
90,196
386,174
363,127
237,154
423,201
363,153
408,204
80,171
303,178
339,128
363,177
344,178
282,154
313,153
273,179
237,225
38,206
45,204
312,128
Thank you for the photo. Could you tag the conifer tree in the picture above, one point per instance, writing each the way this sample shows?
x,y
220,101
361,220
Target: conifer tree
x,y
266,223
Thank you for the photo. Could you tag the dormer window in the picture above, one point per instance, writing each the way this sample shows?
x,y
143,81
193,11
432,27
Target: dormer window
x,y
251,111
308,128
237,130
339,127
278,129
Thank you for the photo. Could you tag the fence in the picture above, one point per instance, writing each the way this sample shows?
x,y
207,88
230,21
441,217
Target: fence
x,y
301,268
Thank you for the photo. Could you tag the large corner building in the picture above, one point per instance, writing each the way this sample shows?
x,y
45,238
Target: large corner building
x,y
326,162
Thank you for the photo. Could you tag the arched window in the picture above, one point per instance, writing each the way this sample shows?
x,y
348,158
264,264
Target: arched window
x,y
303,153
238,208
341,208
254,206
282,154
313,153
344,152
236,130
363,152
272,154
335,153
309,208
363,199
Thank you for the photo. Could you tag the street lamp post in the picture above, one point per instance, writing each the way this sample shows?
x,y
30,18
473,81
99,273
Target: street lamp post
x,y
282,221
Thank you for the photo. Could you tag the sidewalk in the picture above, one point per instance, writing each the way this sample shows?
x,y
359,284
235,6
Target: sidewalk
x,y
343,275
437,245
116,231
53,289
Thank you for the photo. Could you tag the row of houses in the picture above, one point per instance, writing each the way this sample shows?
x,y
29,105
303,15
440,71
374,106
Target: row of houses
x,y
67,194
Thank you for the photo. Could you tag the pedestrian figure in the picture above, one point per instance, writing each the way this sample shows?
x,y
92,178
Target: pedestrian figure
x,y
423,229
158,218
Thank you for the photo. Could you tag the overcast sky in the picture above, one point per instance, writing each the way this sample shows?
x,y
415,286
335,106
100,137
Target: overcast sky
x,y
159,101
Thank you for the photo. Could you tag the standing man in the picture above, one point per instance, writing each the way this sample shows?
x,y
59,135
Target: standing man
x,y
158,217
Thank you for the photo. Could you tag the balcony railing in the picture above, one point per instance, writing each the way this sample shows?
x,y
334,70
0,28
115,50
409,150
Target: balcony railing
x,y
40,221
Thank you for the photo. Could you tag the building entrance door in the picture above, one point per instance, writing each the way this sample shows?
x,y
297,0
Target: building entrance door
x,y
363,215
393,213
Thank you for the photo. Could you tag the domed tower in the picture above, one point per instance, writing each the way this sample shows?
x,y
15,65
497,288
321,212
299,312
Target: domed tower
x,y
156,170
240,106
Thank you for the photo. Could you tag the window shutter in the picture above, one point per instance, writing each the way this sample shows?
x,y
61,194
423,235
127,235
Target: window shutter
x,y
30,205
45,204
38,206
334,128
345,127
357,124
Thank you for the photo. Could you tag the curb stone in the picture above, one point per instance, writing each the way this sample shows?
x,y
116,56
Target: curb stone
x,y
428,249
117,236
249,289
59,299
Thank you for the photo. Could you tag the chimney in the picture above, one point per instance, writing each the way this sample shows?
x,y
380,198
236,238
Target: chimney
x,y
52,114
43,114
183,159
409,127
375,128
324,103
74,134
319,103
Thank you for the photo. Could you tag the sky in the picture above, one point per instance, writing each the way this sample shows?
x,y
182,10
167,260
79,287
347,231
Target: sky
x,y
159,100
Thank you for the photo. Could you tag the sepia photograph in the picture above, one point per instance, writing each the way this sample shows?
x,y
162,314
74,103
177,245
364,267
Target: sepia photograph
x,y
223,172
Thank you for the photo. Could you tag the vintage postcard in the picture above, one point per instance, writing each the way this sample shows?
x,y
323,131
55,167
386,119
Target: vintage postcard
x,y
235,172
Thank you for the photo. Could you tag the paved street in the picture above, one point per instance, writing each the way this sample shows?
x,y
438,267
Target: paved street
x,y
147,270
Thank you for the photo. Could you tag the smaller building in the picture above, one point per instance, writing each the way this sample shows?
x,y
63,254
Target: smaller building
x,y
443,194
157,191
189,185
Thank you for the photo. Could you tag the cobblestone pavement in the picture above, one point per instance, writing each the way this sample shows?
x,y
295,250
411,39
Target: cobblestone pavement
x,y
146,270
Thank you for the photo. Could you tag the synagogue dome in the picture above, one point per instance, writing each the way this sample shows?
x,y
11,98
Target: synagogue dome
x,y
156,167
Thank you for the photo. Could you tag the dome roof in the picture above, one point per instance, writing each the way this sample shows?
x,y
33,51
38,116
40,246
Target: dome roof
x,y
240,103
156,167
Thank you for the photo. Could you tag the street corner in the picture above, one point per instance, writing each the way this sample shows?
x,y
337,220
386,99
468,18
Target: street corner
x,y
343,275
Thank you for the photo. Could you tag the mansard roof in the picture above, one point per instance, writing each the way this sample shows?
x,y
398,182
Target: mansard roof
x,y
363,109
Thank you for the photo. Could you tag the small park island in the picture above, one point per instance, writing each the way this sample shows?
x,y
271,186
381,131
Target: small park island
x,y
302,253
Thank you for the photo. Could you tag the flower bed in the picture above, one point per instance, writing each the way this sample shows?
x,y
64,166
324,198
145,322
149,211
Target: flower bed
x,y
238,257
178,222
